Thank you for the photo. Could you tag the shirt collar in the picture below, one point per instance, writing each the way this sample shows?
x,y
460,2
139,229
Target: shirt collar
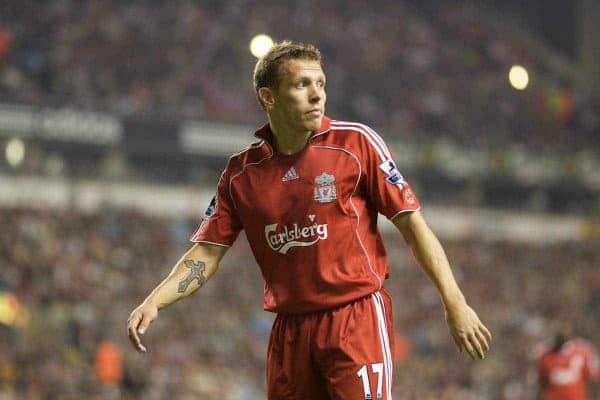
x,y
266,134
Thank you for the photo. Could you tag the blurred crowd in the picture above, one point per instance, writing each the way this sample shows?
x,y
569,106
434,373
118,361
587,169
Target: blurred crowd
x,y
76,277
415,77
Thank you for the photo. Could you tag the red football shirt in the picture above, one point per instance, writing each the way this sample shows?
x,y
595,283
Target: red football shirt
x,y
564,373
311,217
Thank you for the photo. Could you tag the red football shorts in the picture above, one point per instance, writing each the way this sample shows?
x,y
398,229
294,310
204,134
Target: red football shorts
x,y
340,354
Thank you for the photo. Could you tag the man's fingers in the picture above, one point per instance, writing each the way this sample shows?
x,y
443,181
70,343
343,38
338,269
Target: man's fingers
x,y
132,324
472,338
469,348
486,332
144,325
133,336
132,332
482,339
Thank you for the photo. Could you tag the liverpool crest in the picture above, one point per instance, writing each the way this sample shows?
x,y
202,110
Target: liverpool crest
x,y
325,188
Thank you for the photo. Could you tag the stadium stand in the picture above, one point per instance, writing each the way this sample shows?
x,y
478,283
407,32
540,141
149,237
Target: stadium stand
x,y
415,77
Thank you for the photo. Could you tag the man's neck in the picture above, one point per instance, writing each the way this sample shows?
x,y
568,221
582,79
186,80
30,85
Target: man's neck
x,y
286,140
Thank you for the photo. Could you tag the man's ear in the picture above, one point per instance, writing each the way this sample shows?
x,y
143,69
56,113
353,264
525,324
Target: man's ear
x,y
265,95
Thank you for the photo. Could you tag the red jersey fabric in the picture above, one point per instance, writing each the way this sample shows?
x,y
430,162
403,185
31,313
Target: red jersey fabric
x,y
311,217
564,373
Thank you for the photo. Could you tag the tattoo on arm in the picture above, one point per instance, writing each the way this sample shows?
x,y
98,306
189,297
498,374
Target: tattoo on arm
x,y
196,273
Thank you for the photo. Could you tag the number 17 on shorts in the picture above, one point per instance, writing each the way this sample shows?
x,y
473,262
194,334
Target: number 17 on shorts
x,y
376,370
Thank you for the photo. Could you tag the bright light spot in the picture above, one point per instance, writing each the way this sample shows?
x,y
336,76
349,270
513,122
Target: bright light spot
x,y
518,77
9,308
15,152
260,44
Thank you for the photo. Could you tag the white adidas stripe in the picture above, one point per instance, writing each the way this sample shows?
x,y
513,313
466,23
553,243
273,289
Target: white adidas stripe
x,y
382,337
373,138
385,343
363,132
376,136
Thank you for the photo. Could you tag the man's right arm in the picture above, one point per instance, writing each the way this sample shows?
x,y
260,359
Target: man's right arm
x,y
196,266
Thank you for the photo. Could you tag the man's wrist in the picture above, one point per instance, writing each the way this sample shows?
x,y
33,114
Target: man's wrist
x,y
454,301
151,301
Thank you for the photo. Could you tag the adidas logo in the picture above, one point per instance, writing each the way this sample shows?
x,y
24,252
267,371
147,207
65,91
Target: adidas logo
x,y
290,175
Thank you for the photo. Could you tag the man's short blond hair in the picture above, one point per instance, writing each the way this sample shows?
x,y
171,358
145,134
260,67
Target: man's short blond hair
x,y
266,71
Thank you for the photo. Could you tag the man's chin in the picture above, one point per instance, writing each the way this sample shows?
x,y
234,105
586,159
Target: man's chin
x,y
313,124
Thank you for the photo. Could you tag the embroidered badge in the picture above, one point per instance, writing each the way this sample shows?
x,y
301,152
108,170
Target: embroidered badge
x,y
210,210
393,176
410,197
325,188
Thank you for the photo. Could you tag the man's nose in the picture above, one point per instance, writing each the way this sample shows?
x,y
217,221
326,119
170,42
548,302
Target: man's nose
x,y
315,94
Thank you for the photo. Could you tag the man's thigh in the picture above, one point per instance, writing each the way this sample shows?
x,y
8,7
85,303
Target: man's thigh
x,y
353,348
291,374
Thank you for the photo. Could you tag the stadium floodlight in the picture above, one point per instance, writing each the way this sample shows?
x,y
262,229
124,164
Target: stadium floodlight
x,y
260,44
518,77
9,308
15,152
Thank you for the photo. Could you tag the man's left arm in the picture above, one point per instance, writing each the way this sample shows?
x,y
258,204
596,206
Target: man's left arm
x,y
465,327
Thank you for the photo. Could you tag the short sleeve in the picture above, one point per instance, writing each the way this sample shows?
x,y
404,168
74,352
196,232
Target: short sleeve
x,y
592,361
386,187
220,223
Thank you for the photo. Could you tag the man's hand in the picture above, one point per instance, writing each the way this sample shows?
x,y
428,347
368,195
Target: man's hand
x,y
192,270
467,330
138,322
